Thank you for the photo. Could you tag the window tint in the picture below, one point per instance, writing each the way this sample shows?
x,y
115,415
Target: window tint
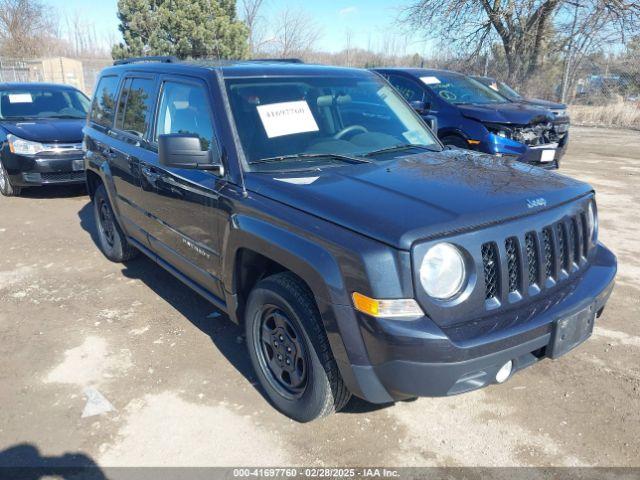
x,y
104,101
135,105
185,109
408,89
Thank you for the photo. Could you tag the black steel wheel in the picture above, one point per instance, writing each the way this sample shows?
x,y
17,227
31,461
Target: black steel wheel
x,y
283,354
290,351
111,239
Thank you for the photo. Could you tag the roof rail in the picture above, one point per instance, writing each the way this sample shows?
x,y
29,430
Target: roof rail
x,y
161,59
278,60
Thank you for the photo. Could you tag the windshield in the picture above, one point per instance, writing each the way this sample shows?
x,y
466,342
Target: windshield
x,y
324,121
460,90
31,103
507,91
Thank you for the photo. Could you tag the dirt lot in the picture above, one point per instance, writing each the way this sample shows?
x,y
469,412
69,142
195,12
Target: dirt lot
x,y
183,391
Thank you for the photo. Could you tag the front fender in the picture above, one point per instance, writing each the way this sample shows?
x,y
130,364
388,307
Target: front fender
x,y
314,264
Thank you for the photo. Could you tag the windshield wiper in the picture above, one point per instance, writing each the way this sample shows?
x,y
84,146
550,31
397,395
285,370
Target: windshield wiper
x,y
400,147
76,117
303,156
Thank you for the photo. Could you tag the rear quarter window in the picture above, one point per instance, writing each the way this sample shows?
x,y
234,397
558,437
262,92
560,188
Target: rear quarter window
x,y
103,107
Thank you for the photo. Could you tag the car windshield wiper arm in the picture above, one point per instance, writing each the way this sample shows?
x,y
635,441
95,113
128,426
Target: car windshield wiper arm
x,y
396,148
79,117
302,156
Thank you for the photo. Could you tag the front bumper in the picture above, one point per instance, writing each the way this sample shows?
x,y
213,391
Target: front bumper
x,y
33,171
505,147
418,358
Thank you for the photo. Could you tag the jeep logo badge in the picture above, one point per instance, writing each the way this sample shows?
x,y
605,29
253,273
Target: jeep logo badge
x,y
536,202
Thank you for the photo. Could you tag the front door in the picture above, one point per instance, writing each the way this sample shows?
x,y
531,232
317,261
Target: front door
x,y
185,204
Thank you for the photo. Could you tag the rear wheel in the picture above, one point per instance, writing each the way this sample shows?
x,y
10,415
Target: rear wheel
x,y
6,188
290,351
112,240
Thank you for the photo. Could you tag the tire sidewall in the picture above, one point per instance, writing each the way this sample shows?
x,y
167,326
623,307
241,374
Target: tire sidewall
x,y
7,190
112,252
312,402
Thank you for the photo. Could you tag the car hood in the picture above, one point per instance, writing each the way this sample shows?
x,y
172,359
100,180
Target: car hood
x,y
46,130
421,196
508,113
538,102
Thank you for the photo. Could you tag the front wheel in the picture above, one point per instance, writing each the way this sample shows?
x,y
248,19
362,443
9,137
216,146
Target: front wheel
x,y
290,351
6,188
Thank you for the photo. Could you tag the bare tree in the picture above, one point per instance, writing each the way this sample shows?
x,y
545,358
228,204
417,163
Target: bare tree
x,y
523,27
27,28
251,13
295,34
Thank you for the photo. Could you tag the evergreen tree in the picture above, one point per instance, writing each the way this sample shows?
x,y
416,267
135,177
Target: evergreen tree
x,y
184,28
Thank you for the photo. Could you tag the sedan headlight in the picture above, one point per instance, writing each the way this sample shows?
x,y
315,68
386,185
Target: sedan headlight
x,y
592,221
443,272
499,130
20,146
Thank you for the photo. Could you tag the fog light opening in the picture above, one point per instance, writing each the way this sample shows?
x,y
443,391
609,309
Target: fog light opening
x,y
505,372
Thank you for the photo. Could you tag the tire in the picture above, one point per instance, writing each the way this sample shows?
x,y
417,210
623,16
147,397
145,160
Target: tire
x,y
455,141
111,239
6,188
315,389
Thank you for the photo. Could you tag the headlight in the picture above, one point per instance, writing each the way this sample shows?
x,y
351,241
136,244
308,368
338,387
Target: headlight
x,y
499,130
592,221
20,146
442,272
561,112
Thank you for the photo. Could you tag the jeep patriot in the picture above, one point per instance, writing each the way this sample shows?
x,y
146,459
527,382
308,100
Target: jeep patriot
x,y
316,208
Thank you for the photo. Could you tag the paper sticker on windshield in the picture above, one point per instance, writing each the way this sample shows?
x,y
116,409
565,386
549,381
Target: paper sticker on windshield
x,y
287,118
430,80
20,98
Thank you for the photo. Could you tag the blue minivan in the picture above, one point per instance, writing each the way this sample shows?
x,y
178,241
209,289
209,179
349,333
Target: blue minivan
x,y
468,114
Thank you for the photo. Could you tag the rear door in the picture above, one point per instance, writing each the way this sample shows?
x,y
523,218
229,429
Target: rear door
x,y
185,204
129,147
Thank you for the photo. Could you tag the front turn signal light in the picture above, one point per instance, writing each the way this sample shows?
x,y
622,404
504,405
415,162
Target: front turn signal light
x,y
406,308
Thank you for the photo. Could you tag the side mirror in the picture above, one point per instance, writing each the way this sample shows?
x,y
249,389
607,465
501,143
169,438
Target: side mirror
x,y
178,150
421,107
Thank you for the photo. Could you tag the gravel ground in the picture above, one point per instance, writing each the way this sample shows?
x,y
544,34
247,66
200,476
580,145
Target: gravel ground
x,y
183,392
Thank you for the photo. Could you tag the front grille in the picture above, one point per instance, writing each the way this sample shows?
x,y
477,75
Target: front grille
x,y
559,246
563,247
548,251
490,263
62,176
532,258
513,263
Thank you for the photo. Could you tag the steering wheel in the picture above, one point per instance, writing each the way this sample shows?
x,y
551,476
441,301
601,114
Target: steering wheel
x,y
349,129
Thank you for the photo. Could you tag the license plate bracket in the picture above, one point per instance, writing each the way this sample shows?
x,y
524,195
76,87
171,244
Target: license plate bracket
x,y
571,331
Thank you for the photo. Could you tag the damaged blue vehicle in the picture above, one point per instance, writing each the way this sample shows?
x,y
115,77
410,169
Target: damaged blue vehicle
x,y
466,113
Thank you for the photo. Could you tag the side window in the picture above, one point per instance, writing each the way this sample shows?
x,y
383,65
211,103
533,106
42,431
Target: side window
x,y
135,106
408,89
184,108
104,101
